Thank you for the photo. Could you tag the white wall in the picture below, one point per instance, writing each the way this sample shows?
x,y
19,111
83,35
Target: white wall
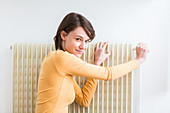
x,y
169,49
118,21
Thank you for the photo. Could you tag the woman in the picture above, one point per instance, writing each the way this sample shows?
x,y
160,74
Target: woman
x,y
56,87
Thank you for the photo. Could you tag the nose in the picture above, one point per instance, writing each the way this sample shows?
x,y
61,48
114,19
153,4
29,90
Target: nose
x,y
83,45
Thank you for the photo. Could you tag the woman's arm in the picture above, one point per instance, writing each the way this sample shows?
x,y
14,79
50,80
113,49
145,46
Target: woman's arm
x,y
84,96
70,64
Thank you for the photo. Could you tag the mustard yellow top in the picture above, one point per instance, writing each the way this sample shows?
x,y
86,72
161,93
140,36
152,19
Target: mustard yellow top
x,y
56,87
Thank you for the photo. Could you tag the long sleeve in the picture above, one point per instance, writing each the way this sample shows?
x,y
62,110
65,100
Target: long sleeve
x,y
84,96
69,64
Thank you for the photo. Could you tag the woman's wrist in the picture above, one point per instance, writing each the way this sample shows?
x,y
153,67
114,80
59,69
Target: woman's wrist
x,y
95,63
139,61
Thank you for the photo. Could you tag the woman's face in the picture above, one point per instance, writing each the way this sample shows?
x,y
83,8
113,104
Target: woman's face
x,y
76,42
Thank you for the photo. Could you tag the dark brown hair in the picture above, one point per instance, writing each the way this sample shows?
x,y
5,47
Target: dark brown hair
x,y
70,22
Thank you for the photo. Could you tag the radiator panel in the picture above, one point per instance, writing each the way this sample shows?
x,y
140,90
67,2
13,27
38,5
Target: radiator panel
x,y
117,96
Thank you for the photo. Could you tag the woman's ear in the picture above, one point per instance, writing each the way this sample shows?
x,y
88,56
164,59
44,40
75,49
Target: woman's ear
x,y
63,35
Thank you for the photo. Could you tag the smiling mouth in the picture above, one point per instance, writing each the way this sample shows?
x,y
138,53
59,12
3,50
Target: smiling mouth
x,y
79,51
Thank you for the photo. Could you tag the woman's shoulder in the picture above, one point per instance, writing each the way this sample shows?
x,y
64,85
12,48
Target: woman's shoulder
x,y
60,54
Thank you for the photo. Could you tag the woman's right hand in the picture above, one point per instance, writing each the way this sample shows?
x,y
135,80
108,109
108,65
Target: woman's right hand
x,y
141,52
100,55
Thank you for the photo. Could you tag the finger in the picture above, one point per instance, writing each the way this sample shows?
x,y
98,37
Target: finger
x,y
105,44
108,53
143,49
100,45
144,46
146,49
138,45
141,44
97,46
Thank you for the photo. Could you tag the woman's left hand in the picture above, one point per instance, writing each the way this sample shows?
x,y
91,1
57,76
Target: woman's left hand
x,y
141,52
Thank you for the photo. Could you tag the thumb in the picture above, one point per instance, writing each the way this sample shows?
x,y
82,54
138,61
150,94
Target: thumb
x,y
108,53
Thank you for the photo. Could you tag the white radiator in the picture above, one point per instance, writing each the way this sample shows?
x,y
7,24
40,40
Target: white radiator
x,y
118,96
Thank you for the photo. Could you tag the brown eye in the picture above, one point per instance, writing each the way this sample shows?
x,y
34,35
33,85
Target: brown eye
x,y
78,39
88,41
